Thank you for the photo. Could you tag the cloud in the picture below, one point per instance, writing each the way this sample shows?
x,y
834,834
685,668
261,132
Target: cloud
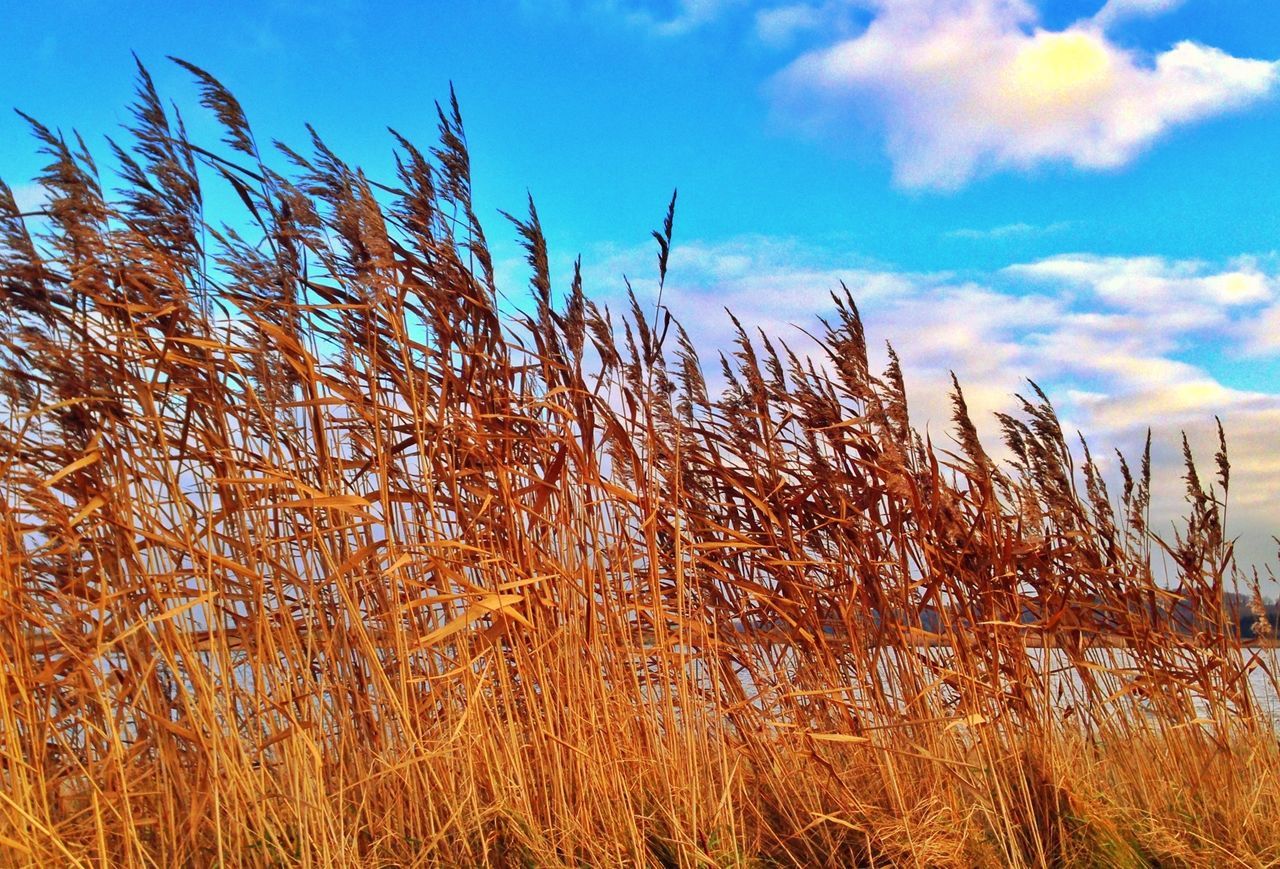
x,y
1116,10
686,16
1106,336
774,24
30,197
964,88
780,24
1176,297
1263,337
1010,231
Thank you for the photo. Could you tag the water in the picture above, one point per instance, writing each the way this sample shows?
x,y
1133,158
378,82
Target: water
x,y
1113,672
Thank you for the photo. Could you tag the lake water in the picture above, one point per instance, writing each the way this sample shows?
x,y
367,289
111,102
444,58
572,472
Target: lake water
x,y
1112,672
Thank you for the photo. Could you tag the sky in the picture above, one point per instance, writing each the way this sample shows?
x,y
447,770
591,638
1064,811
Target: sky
x,y
1083,193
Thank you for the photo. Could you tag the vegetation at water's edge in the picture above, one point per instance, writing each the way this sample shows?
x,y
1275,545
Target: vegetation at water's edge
x,y
308,556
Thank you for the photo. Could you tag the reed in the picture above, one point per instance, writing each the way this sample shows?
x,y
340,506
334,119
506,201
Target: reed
x,y
309,556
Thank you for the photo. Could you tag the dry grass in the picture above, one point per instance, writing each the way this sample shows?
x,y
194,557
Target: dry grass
x,y
309,557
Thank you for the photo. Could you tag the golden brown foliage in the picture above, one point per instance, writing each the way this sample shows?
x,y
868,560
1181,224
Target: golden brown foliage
x,y
310,556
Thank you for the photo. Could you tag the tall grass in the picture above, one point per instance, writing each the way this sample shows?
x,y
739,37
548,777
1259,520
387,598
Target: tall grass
x,y
311,557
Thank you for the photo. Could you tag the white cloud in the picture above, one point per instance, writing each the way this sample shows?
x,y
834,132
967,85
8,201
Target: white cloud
x,y
1105,335
963,88
1010,231
780,25
686,16
30,197
1116,10
1262,337
1155,281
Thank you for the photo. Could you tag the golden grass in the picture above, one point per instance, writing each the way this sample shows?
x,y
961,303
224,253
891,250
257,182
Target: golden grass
x,y
310,557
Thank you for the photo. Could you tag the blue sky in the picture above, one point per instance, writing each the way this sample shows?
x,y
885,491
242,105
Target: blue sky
x,y
1086,193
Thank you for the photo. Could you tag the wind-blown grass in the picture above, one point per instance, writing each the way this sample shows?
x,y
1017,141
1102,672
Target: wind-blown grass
x,y
311,557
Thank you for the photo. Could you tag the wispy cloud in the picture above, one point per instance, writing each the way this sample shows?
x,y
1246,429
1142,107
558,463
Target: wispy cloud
x,y
963,88
30,197
780,25
686,16
1263,336
1116,10
1011,231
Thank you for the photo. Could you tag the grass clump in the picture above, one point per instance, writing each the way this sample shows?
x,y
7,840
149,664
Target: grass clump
x,y
309,556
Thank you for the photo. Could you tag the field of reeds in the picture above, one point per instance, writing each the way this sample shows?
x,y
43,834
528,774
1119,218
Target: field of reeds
x,y
311,556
